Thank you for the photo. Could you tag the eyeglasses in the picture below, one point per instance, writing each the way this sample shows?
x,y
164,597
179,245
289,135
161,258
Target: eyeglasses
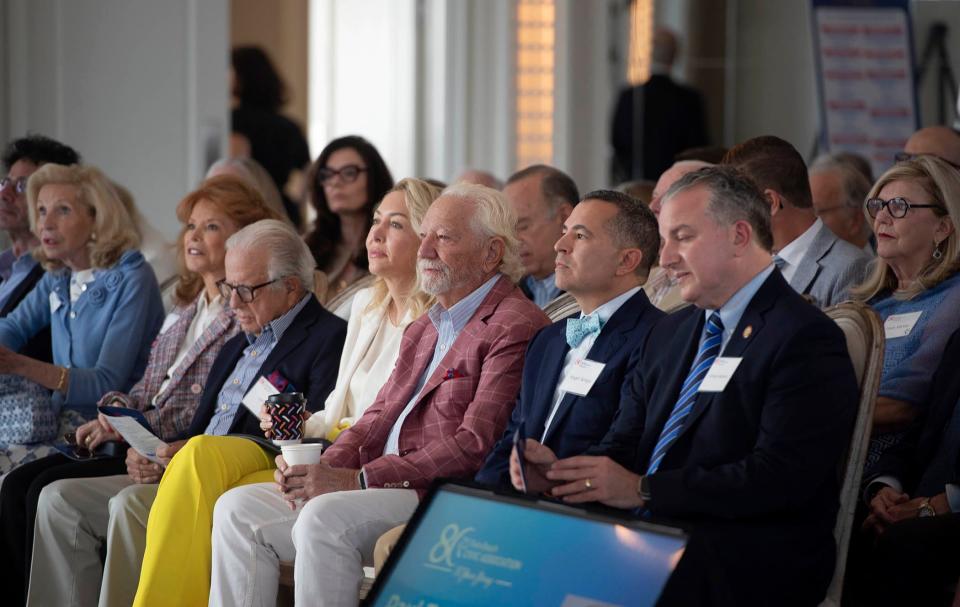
x,y
897,207
907,156
79,451
244,292
348,173
19,184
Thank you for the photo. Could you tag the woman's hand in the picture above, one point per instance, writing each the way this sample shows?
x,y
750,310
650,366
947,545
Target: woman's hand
x,y
9,361
94,433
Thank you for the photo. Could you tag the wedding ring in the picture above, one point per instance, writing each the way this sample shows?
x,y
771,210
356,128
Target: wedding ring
x,y
87,440
588,484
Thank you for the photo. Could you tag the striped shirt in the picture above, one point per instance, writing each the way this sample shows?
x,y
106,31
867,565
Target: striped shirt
x,y
449,324
244,374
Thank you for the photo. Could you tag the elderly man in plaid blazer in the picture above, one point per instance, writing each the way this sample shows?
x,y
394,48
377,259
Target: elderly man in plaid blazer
x,y
440,412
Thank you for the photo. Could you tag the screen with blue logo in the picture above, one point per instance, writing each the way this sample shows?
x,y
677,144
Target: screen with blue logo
x,y
469,550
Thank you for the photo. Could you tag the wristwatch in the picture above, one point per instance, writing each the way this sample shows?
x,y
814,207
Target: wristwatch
x,y
362,479
926,509
643,488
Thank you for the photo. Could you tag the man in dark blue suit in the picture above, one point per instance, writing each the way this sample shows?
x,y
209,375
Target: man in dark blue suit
x,y
907,554
609,243
738,416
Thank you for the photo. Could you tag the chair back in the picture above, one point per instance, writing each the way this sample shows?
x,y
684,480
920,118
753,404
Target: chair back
x,y
562,306
865,342
339,304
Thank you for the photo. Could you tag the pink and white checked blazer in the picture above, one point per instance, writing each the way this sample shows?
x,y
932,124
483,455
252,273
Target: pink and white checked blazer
x,y
463,407
178,402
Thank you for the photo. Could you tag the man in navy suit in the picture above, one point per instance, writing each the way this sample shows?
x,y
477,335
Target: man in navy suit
x,y
906,554
608,244
738,416
287,339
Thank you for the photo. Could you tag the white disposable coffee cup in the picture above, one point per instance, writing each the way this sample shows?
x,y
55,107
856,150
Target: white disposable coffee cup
x,y
305,453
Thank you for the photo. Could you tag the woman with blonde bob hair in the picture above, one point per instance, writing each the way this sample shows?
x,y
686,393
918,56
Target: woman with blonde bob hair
x,y
167,394
178,555
99,298
915,209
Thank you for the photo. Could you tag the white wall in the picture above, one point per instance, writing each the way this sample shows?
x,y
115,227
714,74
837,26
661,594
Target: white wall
x,y
139,88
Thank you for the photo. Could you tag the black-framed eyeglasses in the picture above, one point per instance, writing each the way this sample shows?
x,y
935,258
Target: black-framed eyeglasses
x,y
246,293
907,156
348,173
897,207
79,451
19,184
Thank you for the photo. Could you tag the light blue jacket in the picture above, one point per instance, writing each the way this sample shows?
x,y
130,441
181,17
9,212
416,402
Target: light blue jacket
x,y
104,338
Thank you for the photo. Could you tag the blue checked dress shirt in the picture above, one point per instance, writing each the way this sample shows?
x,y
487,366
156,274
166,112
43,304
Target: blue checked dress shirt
x,y
244,374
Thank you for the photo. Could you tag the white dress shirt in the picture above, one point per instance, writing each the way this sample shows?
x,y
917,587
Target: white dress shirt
x,y
794,252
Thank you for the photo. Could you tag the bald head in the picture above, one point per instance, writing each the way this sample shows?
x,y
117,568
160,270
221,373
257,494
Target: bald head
x,y
669,177
939,141
480,178
664,47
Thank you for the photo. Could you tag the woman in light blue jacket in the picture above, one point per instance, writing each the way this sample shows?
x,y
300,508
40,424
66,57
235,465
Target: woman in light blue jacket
x,y
99,298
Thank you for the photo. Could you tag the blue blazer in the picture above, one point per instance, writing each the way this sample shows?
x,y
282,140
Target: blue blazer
x,y
581,422
308,356
104,338
755,468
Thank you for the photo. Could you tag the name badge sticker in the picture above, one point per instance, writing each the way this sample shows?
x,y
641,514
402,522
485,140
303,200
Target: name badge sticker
x,y
720,373
258,394
581,376
900,325
55,302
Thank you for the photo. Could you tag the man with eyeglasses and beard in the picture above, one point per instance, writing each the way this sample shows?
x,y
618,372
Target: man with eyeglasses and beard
x,y
287,339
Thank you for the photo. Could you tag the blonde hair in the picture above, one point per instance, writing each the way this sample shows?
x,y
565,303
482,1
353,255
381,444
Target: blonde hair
x,y
257,176
417,196
114,230
493,218
941,183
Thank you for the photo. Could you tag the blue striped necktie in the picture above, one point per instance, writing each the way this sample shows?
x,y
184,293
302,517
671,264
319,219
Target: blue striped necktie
x,y
707,353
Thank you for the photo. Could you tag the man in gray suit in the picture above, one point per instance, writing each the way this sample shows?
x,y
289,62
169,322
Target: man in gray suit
x,y
814,260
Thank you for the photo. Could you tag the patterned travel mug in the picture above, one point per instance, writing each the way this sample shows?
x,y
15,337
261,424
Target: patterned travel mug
x,y
286,413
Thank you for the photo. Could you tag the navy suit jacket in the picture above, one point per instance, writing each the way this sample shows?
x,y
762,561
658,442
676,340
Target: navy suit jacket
x,y
759,460
308,356
908,460
581,422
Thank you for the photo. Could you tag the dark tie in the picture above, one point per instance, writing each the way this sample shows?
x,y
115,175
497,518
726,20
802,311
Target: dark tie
x,y
707,353
941,468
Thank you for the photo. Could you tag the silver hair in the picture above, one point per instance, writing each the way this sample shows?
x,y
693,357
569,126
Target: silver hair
x,y
493,218
287,254
855,183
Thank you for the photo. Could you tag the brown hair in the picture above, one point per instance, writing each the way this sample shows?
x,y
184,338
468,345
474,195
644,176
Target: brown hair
x,y
773,164
232,196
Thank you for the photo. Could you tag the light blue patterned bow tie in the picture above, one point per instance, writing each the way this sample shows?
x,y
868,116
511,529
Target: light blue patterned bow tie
x,y
579,328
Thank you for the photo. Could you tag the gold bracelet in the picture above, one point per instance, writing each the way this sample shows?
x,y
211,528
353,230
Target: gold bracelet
x,y
63,380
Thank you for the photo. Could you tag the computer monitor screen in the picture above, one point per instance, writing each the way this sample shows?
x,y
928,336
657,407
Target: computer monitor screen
x,y
471,547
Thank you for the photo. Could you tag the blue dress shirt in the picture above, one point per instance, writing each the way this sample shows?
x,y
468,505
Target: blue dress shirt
x,y
104,337
13,270
732,311
449,324
260,346
544,291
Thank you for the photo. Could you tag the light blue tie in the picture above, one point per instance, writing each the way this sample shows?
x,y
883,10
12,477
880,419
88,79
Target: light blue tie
x,y
579,328
779,262
707,353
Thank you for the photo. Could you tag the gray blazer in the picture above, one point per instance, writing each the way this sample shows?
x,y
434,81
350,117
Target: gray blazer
x,y
829,268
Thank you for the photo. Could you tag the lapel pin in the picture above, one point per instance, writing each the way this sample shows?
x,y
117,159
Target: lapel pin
x,y
747,332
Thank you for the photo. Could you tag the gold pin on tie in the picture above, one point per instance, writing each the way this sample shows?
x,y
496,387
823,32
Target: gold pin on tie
x,y
748,332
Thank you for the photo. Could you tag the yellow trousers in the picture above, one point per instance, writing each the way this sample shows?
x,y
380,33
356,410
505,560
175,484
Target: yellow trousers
x,y
176,566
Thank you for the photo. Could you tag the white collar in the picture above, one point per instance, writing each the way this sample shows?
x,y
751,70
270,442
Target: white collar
x,y
793,253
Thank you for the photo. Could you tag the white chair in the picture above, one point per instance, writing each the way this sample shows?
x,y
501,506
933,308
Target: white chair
x,y
865,342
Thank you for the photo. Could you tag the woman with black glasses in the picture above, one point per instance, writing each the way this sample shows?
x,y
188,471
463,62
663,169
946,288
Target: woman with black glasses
x,y
345,183
914,286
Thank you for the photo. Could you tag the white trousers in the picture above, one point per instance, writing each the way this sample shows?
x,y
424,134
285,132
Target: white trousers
x,y
74,518
332,537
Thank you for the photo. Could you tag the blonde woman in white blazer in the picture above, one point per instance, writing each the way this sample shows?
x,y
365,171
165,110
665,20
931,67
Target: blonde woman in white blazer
x,y
210,465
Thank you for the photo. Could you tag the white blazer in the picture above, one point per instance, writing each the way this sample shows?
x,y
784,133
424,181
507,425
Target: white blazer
x,y
362,331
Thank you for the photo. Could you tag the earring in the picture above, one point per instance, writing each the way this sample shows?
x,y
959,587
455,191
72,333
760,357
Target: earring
x,y
93,237
937,252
